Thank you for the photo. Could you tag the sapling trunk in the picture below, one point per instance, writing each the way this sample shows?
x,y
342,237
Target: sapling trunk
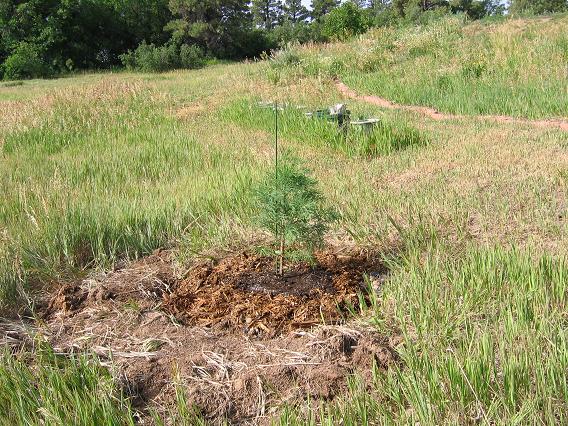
x,y
281,266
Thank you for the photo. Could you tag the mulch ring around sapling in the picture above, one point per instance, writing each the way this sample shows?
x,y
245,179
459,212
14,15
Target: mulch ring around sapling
x,y
244,293
230,368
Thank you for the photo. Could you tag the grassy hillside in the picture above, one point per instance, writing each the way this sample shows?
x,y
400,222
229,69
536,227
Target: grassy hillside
x,y
470,216
515,67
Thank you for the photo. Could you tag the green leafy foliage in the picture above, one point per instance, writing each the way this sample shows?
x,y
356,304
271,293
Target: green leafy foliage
x,y
538,6
25,62
89,33
217,26
49,37
191,56
426,10
293,210
345,21
150,58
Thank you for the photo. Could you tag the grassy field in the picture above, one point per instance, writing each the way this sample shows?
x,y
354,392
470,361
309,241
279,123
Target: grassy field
x,y
515,67
471,216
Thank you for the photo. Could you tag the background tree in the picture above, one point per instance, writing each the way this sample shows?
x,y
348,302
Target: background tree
x,y
295,11
218,26
345,21
144,19
267,13
320,8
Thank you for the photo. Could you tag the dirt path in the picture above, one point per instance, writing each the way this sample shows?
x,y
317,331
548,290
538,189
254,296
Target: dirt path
x,y
436,115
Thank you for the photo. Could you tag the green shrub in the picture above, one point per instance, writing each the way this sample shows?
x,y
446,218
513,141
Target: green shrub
x,y
151,58
345,21
26,61
288,56
191,56
293,210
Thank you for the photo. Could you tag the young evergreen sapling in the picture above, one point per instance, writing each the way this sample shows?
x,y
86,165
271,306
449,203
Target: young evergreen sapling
x,y
293,210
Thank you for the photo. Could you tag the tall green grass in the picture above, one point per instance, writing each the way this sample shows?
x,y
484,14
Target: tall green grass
x,y
390,135
87,183
485,341
43,387
106,171
51,389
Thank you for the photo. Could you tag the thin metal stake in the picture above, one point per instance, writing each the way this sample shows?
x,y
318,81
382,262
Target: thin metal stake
x,y
276,137
279,267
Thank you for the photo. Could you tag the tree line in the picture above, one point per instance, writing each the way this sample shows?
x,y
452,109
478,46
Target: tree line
x,y
41,38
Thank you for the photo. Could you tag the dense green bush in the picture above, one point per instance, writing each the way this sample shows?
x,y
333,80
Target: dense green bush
x,y
346,21
150,58
26,61
191,56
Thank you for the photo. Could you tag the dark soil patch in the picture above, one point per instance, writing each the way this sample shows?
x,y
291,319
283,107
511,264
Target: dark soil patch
x,y
245,292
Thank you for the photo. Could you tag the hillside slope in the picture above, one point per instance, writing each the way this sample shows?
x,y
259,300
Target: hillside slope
x,y
514,67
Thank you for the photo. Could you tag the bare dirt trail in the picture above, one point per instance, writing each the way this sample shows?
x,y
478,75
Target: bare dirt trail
x,y
436,115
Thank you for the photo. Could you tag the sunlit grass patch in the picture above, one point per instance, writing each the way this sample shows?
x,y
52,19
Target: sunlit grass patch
x,y
484,338
106,174
388,136
92,173
512,68
14,83
45,388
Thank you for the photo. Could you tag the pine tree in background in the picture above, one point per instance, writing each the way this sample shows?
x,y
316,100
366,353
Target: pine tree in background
x,y
267,14
294,11
320,8
216,26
